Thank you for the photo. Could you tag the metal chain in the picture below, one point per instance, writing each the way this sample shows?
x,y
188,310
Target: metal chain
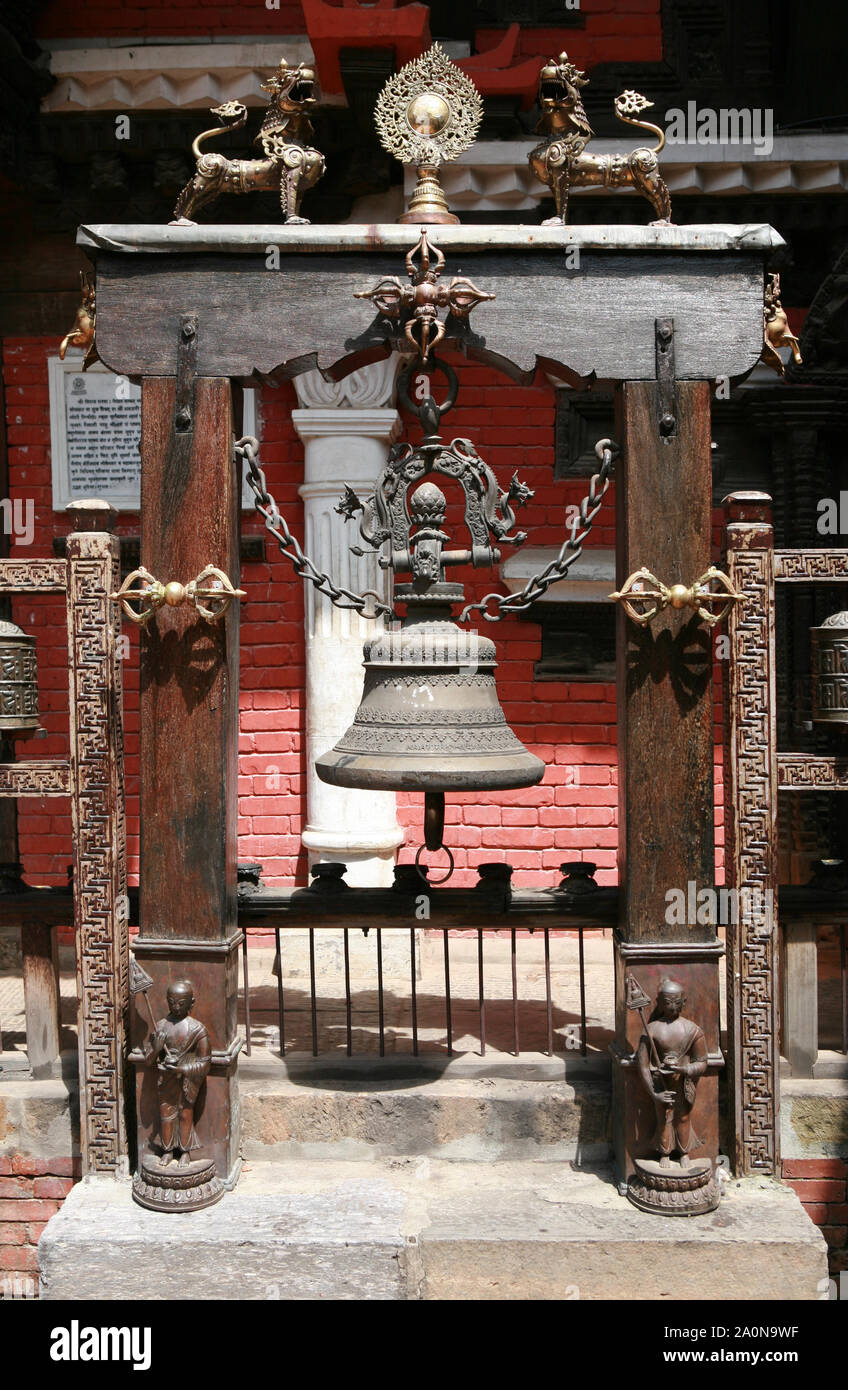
x,y
247,449
607,452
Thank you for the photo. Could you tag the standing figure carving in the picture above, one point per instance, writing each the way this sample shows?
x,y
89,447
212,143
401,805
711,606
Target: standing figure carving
x,y
670,1059
180,1049
560,160
170,1178
290,163
670,1072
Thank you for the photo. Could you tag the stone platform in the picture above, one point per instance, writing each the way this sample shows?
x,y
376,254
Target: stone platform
x,y
423,1229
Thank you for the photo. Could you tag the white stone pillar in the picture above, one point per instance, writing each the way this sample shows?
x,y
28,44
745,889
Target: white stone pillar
x,y
347,428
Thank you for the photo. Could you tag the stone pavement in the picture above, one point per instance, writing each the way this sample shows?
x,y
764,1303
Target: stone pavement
x,y
416,1228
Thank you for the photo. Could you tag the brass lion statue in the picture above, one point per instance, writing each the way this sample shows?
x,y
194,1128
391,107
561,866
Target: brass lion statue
x,y
560,162
776,330
82,333
290,164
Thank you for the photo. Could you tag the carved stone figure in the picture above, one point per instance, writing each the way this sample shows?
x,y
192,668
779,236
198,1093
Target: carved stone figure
x,y
180,1049
289,164
672,1058
170,1179
560,162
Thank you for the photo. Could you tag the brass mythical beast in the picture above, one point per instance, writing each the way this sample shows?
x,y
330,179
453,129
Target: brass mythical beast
x,y
290,163
560,162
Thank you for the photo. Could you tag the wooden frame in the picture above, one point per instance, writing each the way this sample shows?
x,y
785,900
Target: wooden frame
x,y
93,776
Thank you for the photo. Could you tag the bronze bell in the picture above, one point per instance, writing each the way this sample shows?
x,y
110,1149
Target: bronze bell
x,y
830,670
18,683
429,719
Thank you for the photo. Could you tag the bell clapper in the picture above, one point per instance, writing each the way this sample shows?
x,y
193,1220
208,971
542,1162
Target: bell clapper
x,y
434,819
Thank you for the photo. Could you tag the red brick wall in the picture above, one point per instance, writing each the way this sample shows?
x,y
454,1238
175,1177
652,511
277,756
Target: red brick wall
x,y
155,18
613,30
571,726
822,1185
31,1191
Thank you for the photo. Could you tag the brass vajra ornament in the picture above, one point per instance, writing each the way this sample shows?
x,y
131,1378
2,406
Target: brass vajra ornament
x,y
776,330
644,596
560,160
417,303
211,593
289,164
427,113
82,333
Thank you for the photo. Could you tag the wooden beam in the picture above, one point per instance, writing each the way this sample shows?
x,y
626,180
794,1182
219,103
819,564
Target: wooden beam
x,y
189,729
665,748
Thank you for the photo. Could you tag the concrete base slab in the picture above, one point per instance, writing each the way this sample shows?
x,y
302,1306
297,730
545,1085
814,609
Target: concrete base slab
x,y
814,1117
475,1108
423,1229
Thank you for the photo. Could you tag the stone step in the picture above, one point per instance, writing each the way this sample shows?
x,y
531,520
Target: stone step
x,y
398,1229
468,1108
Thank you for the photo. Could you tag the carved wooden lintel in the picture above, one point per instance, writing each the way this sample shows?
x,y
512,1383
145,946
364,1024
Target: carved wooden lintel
x,y
751,835
41,777
101,905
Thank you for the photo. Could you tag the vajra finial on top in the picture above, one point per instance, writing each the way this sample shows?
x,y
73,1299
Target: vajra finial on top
x,y
417,304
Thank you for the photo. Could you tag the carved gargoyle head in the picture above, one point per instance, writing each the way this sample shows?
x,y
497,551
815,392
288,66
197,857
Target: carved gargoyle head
x,y
559,83
291,89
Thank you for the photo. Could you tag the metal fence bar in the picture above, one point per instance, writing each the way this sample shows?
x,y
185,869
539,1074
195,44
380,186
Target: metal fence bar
x,y
448,986
381,1018
280,997
843,976
448,994
582,972
481,998
516,1048
548,1001
312,992
414,992
348,1003
246,993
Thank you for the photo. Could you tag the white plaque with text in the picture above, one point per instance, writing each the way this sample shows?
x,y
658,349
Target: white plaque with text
x,y
95,431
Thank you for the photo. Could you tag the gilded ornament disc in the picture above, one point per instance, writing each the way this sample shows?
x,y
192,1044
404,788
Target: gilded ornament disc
x,y
429,111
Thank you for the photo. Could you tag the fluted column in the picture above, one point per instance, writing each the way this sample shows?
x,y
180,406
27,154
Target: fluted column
x,y
347,428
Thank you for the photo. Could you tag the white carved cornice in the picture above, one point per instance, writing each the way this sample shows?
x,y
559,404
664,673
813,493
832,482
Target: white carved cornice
x,y
131,75
494,174
370,387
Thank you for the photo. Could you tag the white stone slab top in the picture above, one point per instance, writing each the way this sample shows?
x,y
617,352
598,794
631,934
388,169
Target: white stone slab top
x,y
754,237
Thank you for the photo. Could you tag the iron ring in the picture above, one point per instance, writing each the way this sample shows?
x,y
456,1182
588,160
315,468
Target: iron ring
x,y
426,368
433,882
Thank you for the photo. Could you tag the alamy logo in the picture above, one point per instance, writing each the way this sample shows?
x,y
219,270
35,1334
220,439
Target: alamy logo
x,y
726,126
18,519
719,907
77,1343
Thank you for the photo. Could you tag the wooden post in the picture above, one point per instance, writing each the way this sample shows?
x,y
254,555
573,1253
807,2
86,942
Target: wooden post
x,y
39,946
751,838
665,750
97,816
189,728
800,996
